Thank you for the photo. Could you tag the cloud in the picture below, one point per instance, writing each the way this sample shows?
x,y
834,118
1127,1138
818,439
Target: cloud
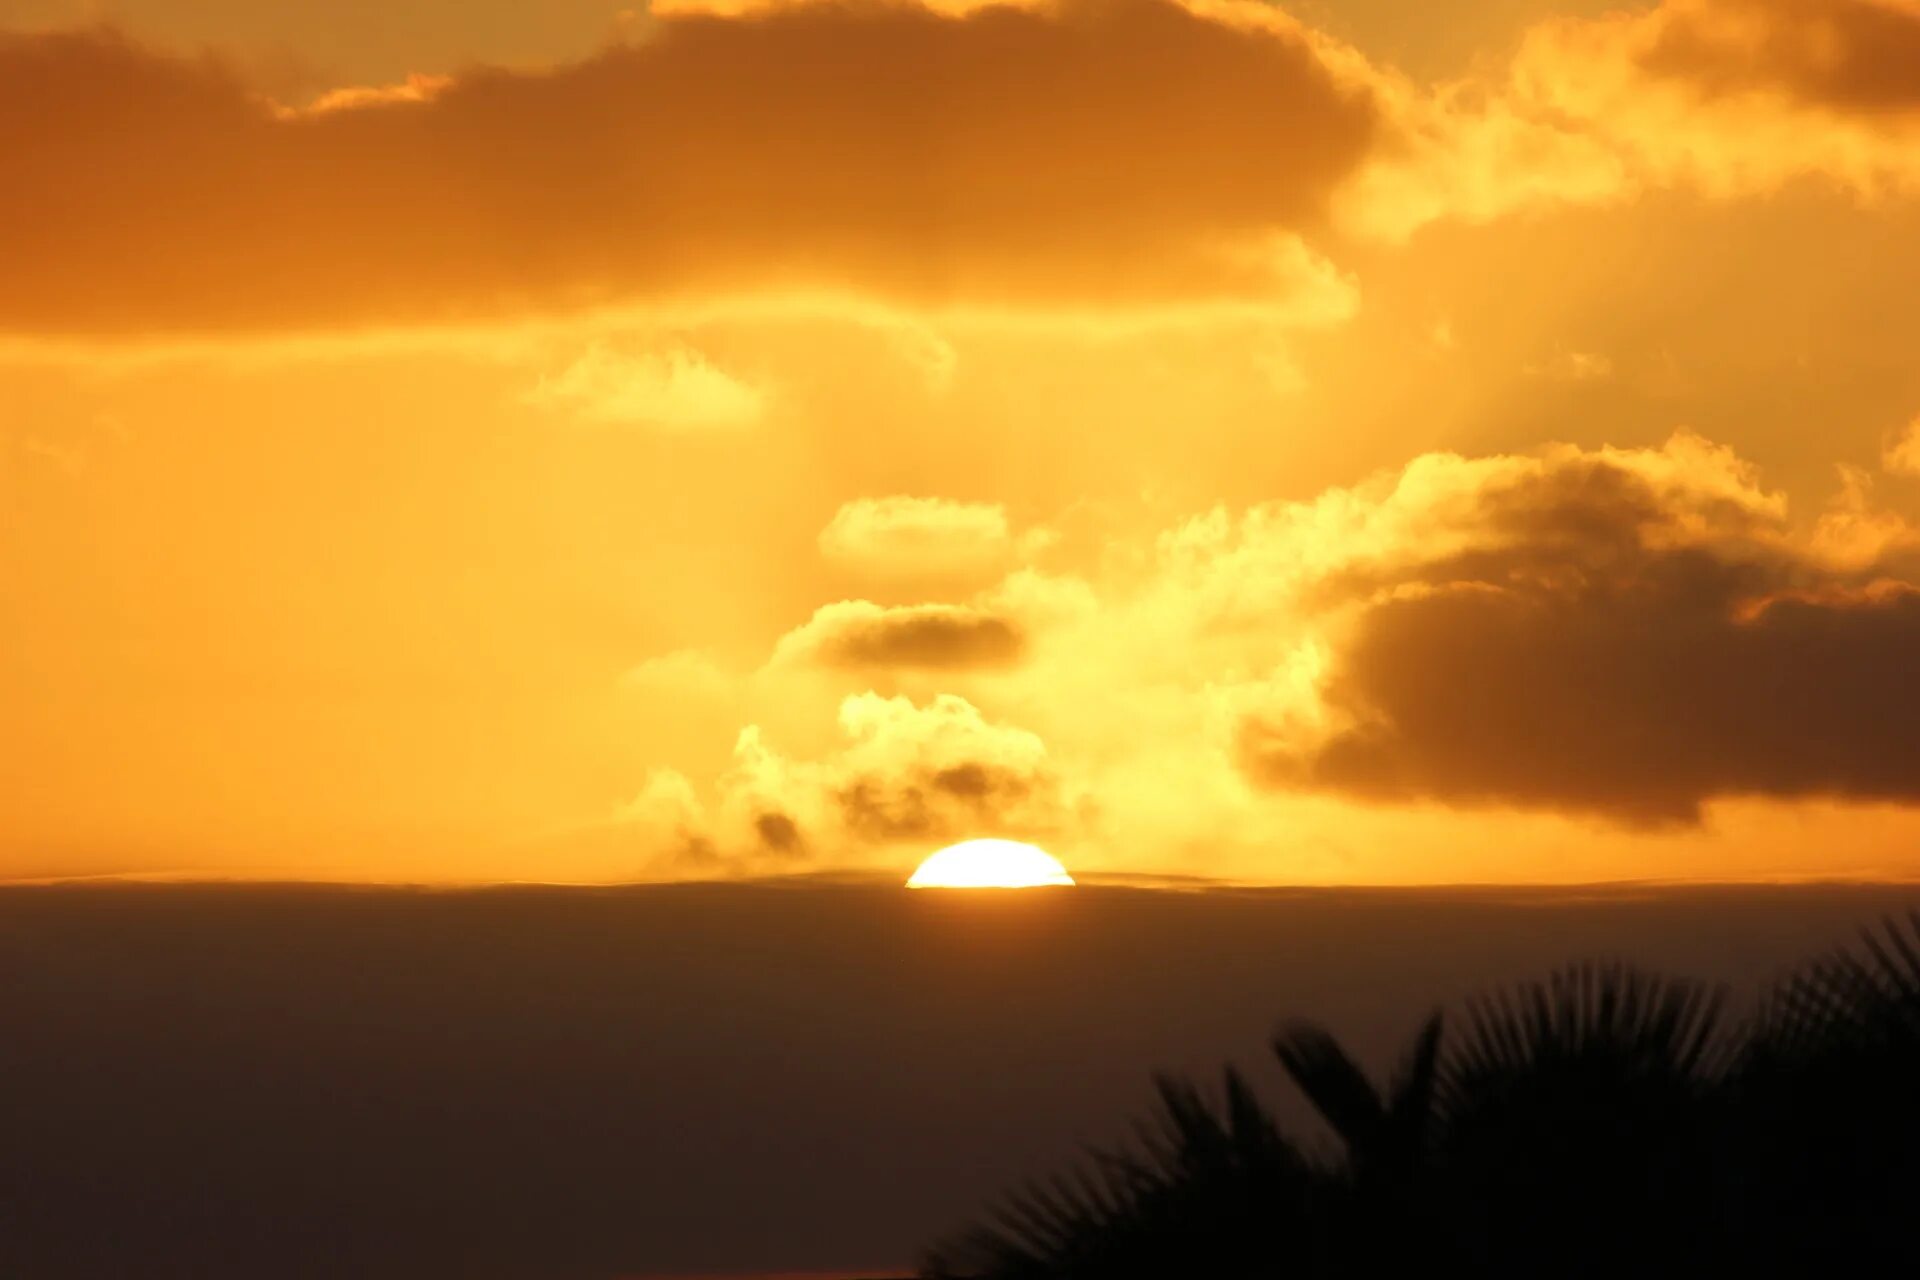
x,y
1902,455
1731,98
675,389
1474,150
1628,633
669,810
861,634
1642,636
1095,159
1740,96
1101,164
1572,366
912,772
415,88
1848,56
687,673
1855,532
902,538
903,773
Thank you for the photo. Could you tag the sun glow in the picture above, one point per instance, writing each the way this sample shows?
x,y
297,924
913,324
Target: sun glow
x,y
990,864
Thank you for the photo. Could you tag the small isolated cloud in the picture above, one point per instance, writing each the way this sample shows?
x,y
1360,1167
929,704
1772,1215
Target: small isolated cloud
x,y
415,88
1902,456
941,637
673,390
684,673
903,539
1572,366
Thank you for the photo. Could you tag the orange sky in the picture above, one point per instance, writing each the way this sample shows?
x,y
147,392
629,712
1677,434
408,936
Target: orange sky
x,y
1336,443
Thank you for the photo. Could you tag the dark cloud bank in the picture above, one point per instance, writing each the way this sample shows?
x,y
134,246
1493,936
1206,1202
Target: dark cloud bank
x,y
1614,646
1097,155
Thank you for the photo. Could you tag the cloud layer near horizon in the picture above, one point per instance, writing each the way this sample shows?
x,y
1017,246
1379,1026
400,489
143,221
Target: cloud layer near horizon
x,y
1628,634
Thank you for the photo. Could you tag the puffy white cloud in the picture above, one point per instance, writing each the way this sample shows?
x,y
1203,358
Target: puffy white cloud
x,y
904,774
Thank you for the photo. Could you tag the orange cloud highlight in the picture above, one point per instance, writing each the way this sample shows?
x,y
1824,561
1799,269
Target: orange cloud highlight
x,y
1740,96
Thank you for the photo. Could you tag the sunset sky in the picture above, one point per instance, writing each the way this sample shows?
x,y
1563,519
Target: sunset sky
x,y
1350,442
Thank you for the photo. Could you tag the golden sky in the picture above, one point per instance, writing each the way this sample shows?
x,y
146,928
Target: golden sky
x,y
1355,442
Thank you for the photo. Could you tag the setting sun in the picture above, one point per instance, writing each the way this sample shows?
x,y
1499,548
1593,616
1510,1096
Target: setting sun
x,y
990,864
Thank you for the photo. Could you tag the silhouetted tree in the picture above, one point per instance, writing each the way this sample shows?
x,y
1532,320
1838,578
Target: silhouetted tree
x,y
1371,1200
1584,1100
1213,1189
1603,1122
1828,1096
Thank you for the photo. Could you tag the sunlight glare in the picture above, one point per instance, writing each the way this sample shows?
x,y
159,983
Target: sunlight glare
x,y
990,864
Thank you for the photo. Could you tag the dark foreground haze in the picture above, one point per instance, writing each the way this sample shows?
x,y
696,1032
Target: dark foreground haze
x,y
557,1083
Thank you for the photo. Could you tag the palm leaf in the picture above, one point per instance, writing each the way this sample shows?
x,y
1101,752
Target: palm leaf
x,y
1333,1082
1199,1182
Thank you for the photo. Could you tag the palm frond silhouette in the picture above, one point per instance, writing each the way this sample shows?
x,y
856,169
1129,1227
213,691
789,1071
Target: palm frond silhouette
x,y
1384,1133
1600,1122
1585,1098
1826,1091
1849,1000
1202,1186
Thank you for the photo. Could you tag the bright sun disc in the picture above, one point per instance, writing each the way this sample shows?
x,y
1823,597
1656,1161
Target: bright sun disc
x,y
990,864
